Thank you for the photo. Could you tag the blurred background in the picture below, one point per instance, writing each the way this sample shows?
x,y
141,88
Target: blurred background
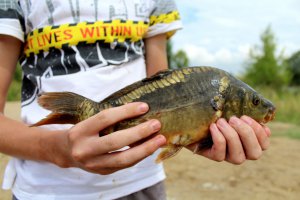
x,y
258,41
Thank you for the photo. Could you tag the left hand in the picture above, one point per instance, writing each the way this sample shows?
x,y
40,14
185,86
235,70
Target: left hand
x,y
236,141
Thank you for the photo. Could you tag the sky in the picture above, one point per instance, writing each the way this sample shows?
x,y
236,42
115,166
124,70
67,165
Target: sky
x,y
220,33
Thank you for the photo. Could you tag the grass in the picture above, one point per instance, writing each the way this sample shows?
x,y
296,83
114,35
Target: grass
x,y
280,129
287,103
287,119
293,134
14,92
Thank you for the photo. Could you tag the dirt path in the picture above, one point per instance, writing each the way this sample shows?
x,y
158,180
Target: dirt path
x,y
275,176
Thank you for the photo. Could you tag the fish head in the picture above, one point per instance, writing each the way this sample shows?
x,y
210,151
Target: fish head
x,y
241,100
258,107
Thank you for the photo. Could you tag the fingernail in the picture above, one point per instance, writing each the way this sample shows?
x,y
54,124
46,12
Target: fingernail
x,y
247,120
222,122
234,120
267,131
143,107
160,140
155,124
213,126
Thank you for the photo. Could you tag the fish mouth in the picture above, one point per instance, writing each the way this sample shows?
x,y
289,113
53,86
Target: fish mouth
x,y
269,116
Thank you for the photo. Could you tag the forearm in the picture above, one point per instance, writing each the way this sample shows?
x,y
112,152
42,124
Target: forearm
x,y
19,140
81,145
16,138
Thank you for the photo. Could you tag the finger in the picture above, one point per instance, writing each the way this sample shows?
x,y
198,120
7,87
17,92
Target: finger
x,y
95,146
248,138
124,159
218,151
260,132
267,130
108,117
235,151
129,136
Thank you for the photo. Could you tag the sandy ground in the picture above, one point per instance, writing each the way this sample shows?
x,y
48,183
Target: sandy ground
x,y
275,176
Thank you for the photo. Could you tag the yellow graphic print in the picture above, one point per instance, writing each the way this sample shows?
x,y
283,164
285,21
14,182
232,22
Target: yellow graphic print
x,y
117,30
71,34
164,18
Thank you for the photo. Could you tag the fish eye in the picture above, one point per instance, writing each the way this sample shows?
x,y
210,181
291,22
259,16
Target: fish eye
x,y
256,100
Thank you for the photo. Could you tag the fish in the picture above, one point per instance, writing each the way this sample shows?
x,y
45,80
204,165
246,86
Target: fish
x,y
186,101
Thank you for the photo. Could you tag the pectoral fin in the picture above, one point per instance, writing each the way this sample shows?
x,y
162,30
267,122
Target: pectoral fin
x,y
168,152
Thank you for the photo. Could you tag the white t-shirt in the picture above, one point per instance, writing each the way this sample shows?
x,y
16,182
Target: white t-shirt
x,y
88,47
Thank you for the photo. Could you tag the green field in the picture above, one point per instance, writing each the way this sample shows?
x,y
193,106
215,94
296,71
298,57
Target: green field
x,y
287,119
281,129
287,103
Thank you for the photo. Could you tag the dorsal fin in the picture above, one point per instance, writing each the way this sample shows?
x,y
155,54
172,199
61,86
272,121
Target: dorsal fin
x,y
159,75
121,93
162,79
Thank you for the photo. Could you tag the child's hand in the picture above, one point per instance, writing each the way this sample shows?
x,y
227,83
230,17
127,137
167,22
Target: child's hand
x,y
237,140
86,150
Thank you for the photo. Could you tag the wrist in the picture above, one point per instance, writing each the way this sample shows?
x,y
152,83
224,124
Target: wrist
x,y
55,148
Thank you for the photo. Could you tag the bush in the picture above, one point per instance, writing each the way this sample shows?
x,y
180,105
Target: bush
x,y
14,92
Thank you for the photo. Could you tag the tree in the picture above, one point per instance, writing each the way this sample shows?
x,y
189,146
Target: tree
x,y
294,67
265,67
176,60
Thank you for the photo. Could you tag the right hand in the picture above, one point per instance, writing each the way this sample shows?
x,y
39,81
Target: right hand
x,y
85,149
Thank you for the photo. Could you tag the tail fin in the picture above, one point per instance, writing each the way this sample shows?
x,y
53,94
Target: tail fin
x,y
66,107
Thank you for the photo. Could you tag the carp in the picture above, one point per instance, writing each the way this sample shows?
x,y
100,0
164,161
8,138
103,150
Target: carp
x,y
186,101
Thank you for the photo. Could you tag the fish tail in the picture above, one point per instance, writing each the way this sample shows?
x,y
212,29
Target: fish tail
x,y
66,107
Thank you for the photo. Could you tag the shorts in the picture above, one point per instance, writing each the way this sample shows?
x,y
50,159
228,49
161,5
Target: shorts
x,y
155,192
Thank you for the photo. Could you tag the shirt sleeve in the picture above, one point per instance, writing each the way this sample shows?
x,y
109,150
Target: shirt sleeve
x,y
11,19
164,18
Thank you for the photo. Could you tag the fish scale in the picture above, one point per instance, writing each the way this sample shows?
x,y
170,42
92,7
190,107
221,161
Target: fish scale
x,y
186,101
